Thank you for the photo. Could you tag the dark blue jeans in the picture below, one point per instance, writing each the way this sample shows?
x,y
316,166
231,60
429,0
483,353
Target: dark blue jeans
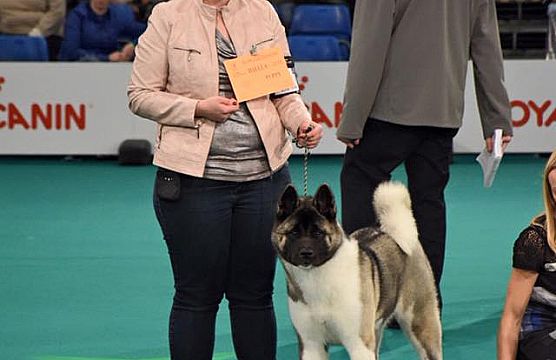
x,y
218,237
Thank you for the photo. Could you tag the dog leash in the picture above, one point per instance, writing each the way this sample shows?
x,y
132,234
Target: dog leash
x,y
306,154
306,171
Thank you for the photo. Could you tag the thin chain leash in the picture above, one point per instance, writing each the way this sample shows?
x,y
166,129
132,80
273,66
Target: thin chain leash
x,y
306,154
306,171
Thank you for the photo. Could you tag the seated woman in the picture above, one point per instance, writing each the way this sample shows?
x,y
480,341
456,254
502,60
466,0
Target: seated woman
x,y
528,326
99,31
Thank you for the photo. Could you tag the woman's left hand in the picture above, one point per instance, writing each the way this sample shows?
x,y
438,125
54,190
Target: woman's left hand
x,y
309,134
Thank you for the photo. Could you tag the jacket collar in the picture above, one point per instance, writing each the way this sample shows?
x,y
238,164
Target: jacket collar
x,y
210,11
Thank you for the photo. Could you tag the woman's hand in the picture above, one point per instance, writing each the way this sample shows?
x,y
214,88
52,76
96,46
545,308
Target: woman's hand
x,y
309,134
216,108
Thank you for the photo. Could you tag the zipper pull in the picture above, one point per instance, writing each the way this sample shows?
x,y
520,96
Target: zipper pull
x,y
190,51
198,127
253,49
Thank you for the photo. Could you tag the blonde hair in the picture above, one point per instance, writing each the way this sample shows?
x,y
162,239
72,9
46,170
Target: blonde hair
x,y
549,203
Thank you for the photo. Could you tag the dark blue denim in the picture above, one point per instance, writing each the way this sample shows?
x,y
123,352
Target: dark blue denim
x,y
218,235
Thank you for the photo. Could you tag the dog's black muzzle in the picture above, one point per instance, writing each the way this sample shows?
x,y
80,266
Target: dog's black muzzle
x,y
306,254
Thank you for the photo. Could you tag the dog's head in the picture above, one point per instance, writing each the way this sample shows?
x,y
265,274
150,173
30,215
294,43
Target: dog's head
x,y
306,232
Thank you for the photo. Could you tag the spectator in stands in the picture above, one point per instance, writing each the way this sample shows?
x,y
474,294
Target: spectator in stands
x,y
34,18
100,31
404,104
222,166
528,326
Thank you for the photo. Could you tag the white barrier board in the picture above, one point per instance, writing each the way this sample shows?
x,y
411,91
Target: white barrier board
x,y
81,108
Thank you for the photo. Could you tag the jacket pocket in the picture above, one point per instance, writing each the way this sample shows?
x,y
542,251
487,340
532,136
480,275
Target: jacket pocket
x,y
187,67
176,139
189,51
263,43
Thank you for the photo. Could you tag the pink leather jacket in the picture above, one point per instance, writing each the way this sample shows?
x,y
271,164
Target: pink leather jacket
x,y
176,65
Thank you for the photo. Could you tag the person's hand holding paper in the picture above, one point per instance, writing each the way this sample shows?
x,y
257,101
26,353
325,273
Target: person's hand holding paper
x,y
491,156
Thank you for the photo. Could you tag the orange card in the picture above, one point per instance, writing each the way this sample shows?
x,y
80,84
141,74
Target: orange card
x,y
257,75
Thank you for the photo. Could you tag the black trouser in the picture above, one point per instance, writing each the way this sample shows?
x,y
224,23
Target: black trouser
x,y
538,345
426,153
218,237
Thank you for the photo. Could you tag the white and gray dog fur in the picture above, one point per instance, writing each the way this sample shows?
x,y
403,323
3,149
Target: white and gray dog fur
x,y
344,290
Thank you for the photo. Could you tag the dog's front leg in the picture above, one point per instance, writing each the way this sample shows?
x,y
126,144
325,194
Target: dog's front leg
x,y
312,350
358,351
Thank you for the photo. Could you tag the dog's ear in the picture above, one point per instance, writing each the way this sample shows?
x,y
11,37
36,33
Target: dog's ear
x,y
324,202
288,203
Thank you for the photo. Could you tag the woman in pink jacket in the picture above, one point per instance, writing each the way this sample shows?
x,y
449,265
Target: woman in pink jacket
x,y
222,165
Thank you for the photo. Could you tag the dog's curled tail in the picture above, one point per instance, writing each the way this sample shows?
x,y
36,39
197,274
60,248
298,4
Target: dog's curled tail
x,y
393,209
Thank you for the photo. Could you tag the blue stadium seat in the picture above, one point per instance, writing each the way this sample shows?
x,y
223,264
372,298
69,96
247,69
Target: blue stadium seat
x,y
23,48
316,48
327,19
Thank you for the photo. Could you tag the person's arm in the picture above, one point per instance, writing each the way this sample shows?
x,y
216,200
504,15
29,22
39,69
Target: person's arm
x,y
52,19
71,45
486,53
146,90
292,110
372,30
519,291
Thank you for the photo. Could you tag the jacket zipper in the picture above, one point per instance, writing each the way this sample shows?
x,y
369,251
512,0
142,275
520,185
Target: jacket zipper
x,y
197,127
189,52
192,51
159,136
253,50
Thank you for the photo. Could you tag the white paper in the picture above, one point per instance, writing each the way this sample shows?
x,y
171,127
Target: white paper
x,y
490,161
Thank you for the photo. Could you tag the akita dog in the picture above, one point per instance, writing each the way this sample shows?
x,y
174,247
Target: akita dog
x,y
344,290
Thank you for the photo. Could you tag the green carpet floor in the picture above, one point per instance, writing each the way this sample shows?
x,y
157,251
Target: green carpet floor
x,y
84,272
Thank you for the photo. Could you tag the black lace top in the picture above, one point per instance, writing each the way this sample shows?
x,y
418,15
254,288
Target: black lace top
x,y
531,252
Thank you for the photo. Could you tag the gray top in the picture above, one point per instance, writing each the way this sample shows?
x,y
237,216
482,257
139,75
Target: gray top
x,y
236,152
409,62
